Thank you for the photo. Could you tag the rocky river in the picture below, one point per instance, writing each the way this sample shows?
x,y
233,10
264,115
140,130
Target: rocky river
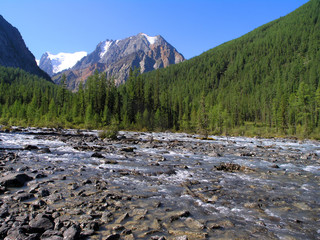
x,y
70,184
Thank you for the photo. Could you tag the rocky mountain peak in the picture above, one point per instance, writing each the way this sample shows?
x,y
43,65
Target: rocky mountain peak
x,y
53,64
14,52
116,57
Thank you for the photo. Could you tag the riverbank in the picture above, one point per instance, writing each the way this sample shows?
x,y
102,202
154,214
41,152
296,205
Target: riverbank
x,y
73,185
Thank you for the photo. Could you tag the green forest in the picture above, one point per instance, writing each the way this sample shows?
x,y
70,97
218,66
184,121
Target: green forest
x,y
265,83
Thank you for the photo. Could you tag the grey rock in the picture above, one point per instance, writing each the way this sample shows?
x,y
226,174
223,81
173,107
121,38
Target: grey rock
x,y
51,233
19,234
43,192
113,237
97,155
15,180
72,233
41,223
31,147
177,215
3,230
23,196
40,175
53,238
4,212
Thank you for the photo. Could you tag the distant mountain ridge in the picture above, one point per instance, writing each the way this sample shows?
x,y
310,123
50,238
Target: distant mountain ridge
x,y
117,57
14,52
53,64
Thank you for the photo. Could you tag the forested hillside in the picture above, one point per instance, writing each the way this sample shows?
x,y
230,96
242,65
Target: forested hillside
x,y
269,77
264,83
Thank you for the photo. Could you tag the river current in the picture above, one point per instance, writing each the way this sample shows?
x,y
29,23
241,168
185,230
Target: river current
x,y
271,189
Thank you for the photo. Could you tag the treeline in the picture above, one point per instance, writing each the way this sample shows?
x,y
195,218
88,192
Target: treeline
x,y
264,83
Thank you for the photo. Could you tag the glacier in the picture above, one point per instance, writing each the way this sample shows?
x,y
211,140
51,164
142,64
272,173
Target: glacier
x,y
63,61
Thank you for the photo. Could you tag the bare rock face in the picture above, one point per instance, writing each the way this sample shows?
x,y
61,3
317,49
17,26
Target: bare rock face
x,y
14,52
116,58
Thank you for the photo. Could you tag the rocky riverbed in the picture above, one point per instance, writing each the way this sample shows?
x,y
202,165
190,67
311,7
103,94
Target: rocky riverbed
x,y
69,184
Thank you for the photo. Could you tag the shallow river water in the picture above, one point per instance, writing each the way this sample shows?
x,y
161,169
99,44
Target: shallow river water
x,y
233,188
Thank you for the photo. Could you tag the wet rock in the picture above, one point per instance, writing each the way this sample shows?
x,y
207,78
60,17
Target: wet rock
x,y
23,196
23,169
97,155
128,149
274,166
113,237
214,154
51,233
30,147
231,167
73,186
177,215
85,182
122,218
41,223
188,235
214,226
19,234
53,238
43,192
107,216
86,233
40,175
4,212
110,161
38,204
15,180
72,233
45,150
158,238
3,230
194,224
182,238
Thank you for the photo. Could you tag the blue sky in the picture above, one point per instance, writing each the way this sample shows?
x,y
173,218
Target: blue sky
x,y
191,26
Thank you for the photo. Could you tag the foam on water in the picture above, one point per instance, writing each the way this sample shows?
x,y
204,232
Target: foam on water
x,y
313,169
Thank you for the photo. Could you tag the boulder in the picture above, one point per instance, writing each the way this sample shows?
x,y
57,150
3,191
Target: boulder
x,y
72,233
23,196
15,180
179,214
231,167
97,155
41,223
128,149
113,237
31,147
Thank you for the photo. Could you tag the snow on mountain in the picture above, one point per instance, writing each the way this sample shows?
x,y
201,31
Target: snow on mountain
x,y
54,63
63,61
150,39
105,47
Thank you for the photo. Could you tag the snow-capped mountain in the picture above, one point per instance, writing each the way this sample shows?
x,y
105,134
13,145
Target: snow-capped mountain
x,y
116,57
53,64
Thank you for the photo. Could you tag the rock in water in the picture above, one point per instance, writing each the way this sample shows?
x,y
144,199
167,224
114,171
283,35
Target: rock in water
x,y
72,233
41,223
15,180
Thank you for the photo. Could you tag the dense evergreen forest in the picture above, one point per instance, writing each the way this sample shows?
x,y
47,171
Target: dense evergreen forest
x,y
264,83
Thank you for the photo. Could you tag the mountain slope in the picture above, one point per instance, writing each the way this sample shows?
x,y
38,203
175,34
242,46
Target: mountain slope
x,y
117,57
53,64
14,52
261,77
